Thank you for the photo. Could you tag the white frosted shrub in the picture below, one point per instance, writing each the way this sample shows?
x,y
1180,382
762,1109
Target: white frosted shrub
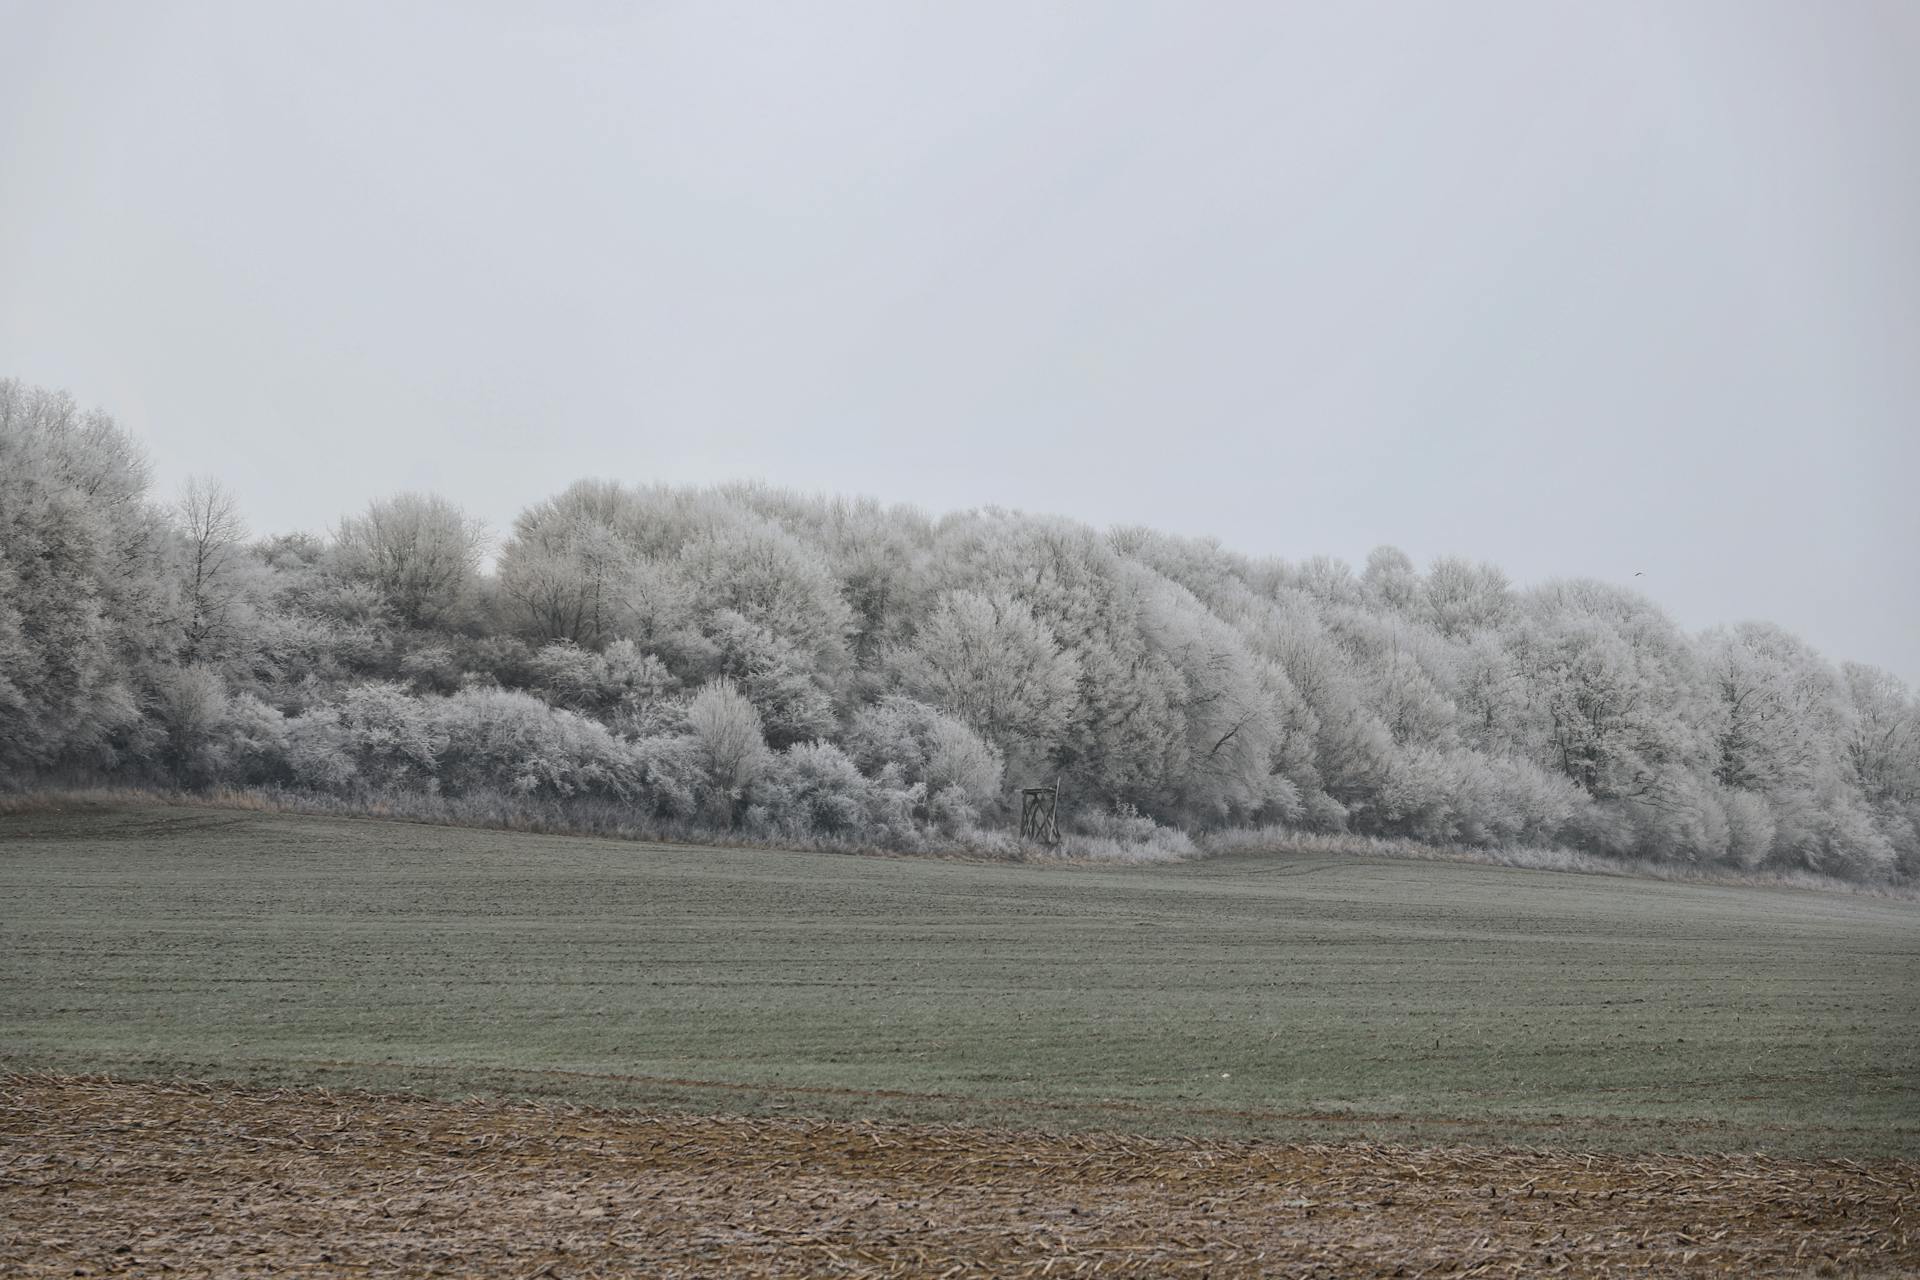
x,y
1679,819
499,737
1833,832
673,777
1124,834
1321,812
254,741
1604,827
1507,801
190,704
728,743
958,771
1902,834
1419,795
613,683
775,676
1750,828
376,735
431,669
567,675
319,754
1284,803
814,789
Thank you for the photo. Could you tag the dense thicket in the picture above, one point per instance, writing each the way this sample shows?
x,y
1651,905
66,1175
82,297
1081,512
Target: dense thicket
x,y
753,660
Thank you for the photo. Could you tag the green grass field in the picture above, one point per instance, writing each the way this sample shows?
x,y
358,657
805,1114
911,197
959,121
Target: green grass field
x,y
1277,995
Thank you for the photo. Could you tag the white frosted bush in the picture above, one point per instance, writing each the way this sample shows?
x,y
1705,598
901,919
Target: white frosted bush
x,y
814,789
958,771
614,683
1750,828
498,737
1124,834
728,743
673,777
376,735
775,676
253,742
191,707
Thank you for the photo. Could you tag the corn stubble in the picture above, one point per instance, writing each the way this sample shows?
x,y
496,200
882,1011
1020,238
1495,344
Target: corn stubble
x,y
100,1177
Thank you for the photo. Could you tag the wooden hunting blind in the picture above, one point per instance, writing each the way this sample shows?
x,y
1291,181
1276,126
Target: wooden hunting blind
x,y
1038,814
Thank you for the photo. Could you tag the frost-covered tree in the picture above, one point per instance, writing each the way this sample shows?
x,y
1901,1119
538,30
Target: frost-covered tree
x,y
84,609
774,581
1781,709
775,676
993,665
1881,739
1617,688
622,680
419,553
1390,580
212,536
1462,599
591,565
728,743
1222,769
1881,747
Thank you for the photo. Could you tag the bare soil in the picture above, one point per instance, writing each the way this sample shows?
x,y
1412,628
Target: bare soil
x,y
103,1177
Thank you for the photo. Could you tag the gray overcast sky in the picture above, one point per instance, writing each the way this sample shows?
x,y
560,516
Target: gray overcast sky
x,y
1580,289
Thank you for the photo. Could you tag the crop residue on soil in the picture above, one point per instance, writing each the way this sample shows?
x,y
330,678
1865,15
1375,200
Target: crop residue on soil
x,y
101,1177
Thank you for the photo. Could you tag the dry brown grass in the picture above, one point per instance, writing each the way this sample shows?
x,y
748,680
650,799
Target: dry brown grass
x,y
100,1177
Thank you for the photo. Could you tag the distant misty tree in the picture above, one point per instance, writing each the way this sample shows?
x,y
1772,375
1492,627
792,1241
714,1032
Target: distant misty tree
x,y
1352,750
1401,673
1391,580
1494,714
191,706
1463,599
1329,581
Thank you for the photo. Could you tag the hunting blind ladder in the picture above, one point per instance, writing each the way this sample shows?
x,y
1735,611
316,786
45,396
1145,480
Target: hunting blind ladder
x,y
1037,814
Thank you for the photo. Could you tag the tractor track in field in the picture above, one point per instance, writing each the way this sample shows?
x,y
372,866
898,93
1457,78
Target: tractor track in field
x,y
105,1177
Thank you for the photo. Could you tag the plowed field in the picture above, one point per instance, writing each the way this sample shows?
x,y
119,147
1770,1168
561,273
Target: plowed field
x,y
106,1178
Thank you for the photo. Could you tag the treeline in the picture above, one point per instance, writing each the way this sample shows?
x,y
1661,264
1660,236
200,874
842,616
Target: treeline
x,y
750,660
